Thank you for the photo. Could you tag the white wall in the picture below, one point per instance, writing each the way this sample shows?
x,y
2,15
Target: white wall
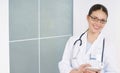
x,y
112,28
4,37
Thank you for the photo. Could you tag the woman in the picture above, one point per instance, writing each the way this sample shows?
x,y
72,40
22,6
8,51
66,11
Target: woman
x,y
87,53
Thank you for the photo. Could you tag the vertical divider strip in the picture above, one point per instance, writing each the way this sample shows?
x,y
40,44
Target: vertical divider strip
x,y
39,34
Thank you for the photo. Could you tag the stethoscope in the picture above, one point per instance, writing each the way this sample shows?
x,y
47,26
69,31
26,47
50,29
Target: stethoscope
x,y
80,39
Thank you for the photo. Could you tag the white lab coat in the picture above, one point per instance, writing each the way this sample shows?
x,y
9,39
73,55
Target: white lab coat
x,y
68,63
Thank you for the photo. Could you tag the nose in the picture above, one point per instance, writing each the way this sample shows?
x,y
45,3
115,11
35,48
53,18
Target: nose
x,y
98,23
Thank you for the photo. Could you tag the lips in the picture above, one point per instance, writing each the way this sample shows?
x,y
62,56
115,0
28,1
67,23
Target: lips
x,y
96,27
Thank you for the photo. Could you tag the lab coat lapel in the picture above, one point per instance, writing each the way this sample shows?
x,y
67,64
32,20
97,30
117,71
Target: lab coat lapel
x,y
95,47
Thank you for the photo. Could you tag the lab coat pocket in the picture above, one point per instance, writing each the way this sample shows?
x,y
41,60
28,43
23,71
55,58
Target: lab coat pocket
x,y
74,63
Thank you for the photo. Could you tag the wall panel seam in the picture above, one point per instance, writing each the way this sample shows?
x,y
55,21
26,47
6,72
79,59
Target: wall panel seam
x,y
22,40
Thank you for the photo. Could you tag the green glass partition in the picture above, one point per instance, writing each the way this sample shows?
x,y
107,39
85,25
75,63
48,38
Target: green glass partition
x,y
38,31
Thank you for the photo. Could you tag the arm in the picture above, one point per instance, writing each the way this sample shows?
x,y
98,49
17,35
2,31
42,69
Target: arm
x,y
109,60
64,64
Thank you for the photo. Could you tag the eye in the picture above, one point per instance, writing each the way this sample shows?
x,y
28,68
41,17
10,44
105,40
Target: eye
x,y
94,18
103,20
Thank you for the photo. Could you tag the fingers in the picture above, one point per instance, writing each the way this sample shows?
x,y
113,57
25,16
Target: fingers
x,y
83,67
91,71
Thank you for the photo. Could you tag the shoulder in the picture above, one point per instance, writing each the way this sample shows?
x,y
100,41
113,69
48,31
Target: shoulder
x,y
72,38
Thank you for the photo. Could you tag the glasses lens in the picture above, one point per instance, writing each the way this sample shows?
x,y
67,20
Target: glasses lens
x,y
95,19
103,21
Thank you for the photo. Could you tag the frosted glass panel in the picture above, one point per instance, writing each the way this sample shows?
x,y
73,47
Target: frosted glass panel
x,y
24,57
56,17
23,19
51,53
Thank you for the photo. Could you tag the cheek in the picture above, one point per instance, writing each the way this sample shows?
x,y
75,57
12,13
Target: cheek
x,y
90,23
102,25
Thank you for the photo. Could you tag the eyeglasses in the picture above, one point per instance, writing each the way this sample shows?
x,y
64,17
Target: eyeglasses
x,y
95,19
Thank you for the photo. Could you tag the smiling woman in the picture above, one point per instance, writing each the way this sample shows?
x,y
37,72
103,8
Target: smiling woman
x,y
89,52
4,37
111,29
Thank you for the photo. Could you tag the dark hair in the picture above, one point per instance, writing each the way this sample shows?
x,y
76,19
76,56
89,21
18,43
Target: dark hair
x,y
98,7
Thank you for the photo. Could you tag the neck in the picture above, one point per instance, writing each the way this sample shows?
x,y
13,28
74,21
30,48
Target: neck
x,y
91,36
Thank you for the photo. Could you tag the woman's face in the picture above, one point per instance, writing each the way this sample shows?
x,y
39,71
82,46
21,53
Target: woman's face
x,y
97,21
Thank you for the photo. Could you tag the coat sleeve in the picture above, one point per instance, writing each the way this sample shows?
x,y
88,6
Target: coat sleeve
x,y
65,64
110,59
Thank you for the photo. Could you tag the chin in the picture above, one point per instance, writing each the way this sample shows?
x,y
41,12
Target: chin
x,y
96,31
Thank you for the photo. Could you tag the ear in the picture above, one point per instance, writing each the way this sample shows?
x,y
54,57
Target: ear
x,y
87,17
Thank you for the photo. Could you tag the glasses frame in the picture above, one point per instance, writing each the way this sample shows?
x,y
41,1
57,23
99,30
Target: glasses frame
x,y
96,19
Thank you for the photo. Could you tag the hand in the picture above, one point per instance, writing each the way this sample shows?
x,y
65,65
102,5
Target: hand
x,y
90,71
81,69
